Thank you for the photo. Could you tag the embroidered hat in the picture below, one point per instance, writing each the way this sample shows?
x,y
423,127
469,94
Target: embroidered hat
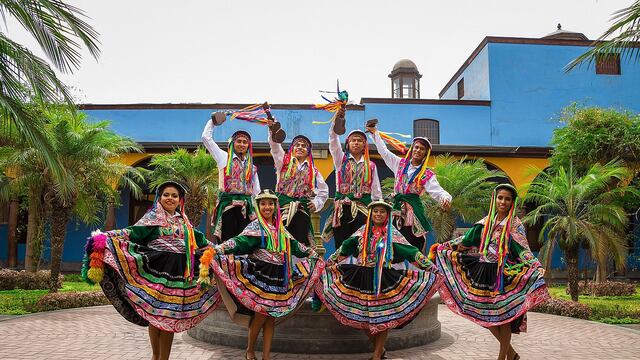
x,y
509,187
266,194
181,190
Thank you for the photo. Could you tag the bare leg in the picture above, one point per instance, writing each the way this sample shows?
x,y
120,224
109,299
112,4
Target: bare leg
x,y
154,338
254,329
505,341
166,340
267,337
496,333
380,339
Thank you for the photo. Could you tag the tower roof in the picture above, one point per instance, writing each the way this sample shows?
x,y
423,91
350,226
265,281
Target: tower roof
x,y
565,35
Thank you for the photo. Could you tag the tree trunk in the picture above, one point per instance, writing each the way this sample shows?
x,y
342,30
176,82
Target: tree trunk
x,y
32,252
59,219
110,222
601,274
12,240
572,272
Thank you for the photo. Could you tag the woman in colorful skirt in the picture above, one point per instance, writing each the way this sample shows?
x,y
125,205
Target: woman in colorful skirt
x,y
147,270
371,295
491,276
266,286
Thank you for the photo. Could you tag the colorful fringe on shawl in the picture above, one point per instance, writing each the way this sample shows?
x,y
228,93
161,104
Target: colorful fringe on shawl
x,y
366,175
248,165
383,251
290,163
417,176
503,243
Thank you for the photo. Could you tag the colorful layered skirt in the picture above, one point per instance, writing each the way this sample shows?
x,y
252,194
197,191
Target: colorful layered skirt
x,y
147,287
347,291
258,286
469,285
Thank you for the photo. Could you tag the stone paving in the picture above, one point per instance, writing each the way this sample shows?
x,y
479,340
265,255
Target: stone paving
x,y
100,333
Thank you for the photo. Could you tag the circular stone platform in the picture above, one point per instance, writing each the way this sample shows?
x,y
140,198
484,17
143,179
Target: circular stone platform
x,y
308,332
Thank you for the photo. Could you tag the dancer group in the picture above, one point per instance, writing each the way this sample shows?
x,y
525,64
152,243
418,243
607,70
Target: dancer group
x,y
262,264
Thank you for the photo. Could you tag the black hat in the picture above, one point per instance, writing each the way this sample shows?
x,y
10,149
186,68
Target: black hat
x,y
303,138
238,133
177,185
509,187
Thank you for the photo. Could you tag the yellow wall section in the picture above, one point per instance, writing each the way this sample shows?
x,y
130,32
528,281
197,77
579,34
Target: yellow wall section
x,y
519,170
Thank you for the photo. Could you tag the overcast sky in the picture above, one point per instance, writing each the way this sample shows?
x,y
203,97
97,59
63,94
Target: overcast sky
x,y
239,51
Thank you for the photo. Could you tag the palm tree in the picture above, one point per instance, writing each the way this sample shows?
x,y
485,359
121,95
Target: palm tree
x,y
627,25
197,172
56,27
470,185
86,153
581,212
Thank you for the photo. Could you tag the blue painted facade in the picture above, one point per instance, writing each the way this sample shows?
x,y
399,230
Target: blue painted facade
x,y
514,90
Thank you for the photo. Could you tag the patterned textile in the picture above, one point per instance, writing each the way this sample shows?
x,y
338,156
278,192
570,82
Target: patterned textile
x,y
235,183
350,178
258,281
227,201
406,185
470,278
347,290
297,185
144,269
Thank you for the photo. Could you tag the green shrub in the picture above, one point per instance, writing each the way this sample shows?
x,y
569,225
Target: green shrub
x,y
8,279
36,281
605,288
564,308
68,300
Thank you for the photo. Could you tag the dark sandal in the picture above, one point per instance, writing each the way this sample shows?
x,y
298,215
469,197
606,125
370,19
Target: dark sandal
x,y
218,117
278,136
339,123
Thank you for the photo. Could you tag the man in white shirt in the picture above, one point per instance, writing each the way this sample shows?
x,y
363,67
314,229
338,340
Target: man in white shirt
x,y
300,187
412,179
357,184
237,181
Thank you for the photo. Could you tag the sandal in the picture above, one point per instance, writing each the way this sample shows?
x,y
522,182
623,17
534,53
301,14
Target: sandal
x,y
339,123
246,356
218,117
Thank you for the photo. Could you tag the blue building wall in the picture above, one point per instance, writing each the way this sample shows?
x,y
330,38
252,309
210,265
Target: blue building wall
x,y
459,124
476,80
529,88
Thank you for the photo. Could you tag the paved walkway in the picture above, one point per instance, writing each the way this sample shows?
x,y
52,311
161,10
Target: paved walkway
x,y
100,333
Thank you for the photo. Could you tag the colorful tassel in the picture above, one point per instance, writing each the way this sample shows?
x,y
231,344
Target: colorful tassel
x,y
432,252
95,272
395,143
205,261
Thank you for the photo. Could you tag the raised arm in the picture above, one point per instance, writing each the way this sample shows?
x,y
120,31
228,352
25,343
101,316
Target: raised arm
x,y
335,149
219,155
277,152
390,159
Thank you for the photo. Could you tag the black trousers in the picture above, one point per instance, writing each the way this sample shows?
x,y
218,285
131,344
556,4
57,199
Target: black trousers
x,y
417,241
233,222
299,227
348,225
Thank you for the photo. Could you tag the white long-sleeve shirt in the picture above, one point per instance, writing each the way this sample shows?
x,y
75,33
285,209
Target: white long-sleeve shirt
x,y
335,149
322,191
393,162
221,157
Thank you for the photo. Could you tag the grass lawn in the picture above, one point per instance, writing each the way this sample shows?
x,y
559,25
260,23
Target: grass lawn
x,y
607,309
20,302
